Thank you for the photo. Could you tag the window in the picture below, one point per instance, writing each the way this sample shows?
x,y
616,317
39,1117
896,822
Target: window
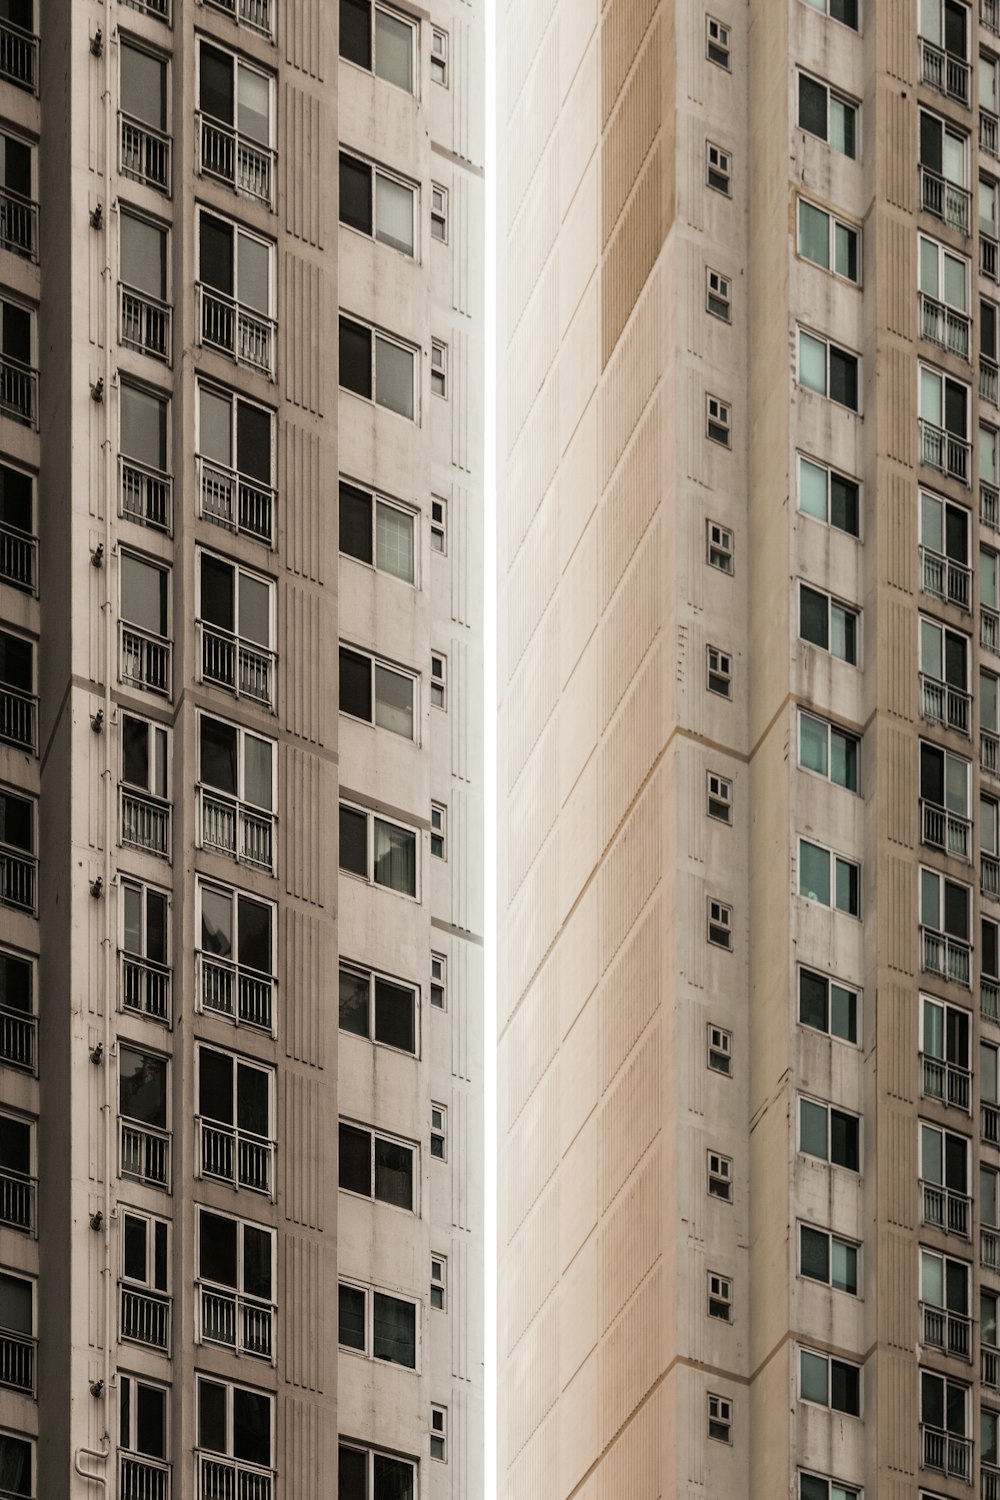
x,y
236,1422
830,752
828,115
374,1323
989,958
18,866
439,1433
945,24
439,57
720,1419
145,144
721,543
944,154
944,1175
145,314
142,1411
439,827
717,42
718,295
364,1474
17,528
379,851
375,203
375,1166
829,496
144,589
811,1486
720,1176
376,692
944,296
720,924
236,276
439,1132
143,1107
439,1281
830,1382
944,797
236,462
439,989
719,169
944,1295
944,668
720,1297
236,123
944,418
145,786
236,1271
720,672
720,1051
379,40
439,680
145,1260
828,242
19,219
236,956
826,623
145,481
17,1019
439,213
989,1446
236,1125
827,1258
828,1006
988,1305
944,905
720,798
830,1134
718,420
989,1079
17,691
377,532
376,367
845,11
439,530
237,791
944,1408
17,1333
944,549
235,610
829,879
439,369
989,353
829,370
16,1466
383,1010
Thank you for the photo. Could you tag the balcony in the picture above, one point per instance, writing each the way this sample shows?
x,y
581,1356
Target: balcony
x,y
945,200
944,326
18,879
989,255
145,823
940,829
146,1479
946,1082
146,495
225,1479
18,224
945,452
17,1200
236,1156
232,500
944,1330
989,1367
17,1361
145,988
946,1452
18,718
989,876
230,157
989,629
989,1249
145,1154
145,660
145,1318
144,323
245,997
18,56
988,134
159,9
989,1123
145,154
989,999
945,579
239,1323
989,505
943,71
258,15
238,665
989,380
943,704
231,827
944,1209
18,391
989,15
989,1482
18,558
236,330
18,1039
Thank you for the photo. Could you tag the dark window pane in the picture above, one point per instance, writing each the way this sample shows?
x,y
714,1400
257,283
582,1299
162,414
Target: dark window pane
x,y
845,11
355,685
815,1256
15,1304
257,1259
15,498
254,936
954,660
252,1427
15,982
355,1160
931,1400
956,1164
215,254
956,532
253,442
135,752
143,426
156,927
955,29
216,84
812,106
16,822
352,1474
394,1330
17,170
843,378
150,1420
844,1140
955,1415
395,858
845,1388
143,86
217,593
134,1255
211,1416
393,1478
355,358
143,1087
956,911
355,523
215,1085
987,328
844,504
217,1240
355,194
813,991
814,617
956,400
219,755
15,1465
811,1488
160,1256
356,32
253,1099
393,1173
354,995
352,1317
143,594
990,948
353,841
931,145
394,1009
15,1145
16,660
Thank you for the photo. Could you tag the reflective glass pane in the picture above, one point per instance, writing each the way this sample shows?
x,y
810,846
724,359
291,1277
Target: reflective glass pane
x,y
814,234
812,489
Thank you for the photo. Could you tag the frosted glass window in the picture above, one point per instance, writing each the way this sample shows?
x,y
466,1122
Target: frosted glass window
x,y
394,541
394,377
394,213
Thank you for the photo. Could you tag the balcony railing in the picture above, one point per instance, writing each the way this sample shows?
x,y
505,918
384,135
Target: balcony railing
x,y
944,578
144,323
146,494
233,828
947,1331
145,823
944,452
989,1123
989,1482
240,1323
145,1318
989,876
943,71
944,704
18,879
18,391
989,505
238,665
158,8
940,829
246,997
18,56
145,988
989,15
989,999
945,1081
238,1157
257,14
233,500
989,380
989,255
946,1452
246,336
945,200
18,558
225,1479
17,1361
145,153
145,660
18,224
17,1200
989,1367
989,628
18,1039
145,1154
18,718
989,1248
944,1209
944,326
988,136
245,165
144,1478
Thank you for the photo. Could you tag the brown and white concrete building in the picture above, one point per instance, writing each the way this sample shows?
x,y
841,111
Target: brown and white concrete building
x,y
241,333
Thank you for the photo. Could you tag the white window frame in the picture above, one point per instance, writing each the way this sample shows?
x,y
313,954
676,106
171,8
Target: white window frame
x,y
370,1292
834,222
829,1110
830,472
412,1147
720,798
720,1171
380,501
439,1131
718,43
720,1050
719,164
243,733
371,818
718,295
836,860
239,228
830,981
372,975
830,1360
150,1221
829,345
720,1413
439,1433
154,1384
439,680
846,101
379,336
439,212
832,603
440,71
719,665
439,369
831,730
397,670
720,921
230,1386
439,831
439,981
439,1282
718,421
439,525
720,548
377,170
720,1295
831,1238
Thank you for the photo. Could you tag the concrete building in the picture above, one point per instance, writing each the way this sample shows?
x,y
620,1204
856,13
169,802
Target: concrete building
x,y
748,1224
199,498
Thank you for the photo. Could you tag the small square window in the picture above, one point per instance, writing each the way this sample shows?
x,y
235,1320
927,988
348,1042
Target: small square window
x,y
439,369
717,42
720,1297
439,521
720,1050
439,680
439,830
439,57
439,1433
720,672
439,1281
720,924
718,295
720,1419
720,798
439,213
439,1132
721,544
439,971
720,169
720,1176
718,421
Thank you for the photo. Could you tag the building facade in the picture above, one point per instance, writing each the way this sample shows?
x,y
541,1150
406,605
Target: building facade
x,y
240,542
748,761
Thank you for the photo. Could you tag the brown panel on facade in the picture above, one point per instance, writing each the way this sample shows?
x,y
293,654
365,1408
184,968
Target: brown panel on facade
x,y
897,1417
299,158
630,994
896,404
631,872
531,1383
896,1167
307,31
303,525
898,1292
632,1356
304,1292
623,26
630,1239
630,501
631,745
896,896
631,624
307,945
533,1267
896,771
630,377
898,553
529,1045
630,1118
632,253
302,358
532,466
303,1154
896,272
896,1040
896,160
308,1446
897,657
632,131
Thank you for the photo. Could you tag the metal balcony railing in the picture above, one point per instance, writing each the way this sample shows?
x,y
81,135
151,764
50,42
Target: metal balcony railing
x,y
989,1248
944,1209
944,1081
989,505
158,8
989,255
18,558
233,158
17,1361
18,718
945,326
943,71
229,661
18,56
145,988
258,15
18,1039
238,1157
944,452
244,996
145,660
989,15
246,336
945,200
145,1154
145,153
988,135
18,391
989,1482
989,876
989,1122
946,1452
947,1331
146,494
233,828
940,829
145,1318
944,578
989,380
989,1367
232,500
17,1200
145,823
18,879
989,628
144,323
225,1479
240,1323
18,224
144,1478
943,704
989,999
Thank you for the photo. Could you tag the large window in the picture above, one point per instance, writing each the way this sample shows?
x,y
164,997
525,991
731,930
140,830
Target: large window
x,y
376,531
376,1166
828,242
379,851
18,866
236,1119
236,1423
830,1382
236,276
143,271
146,484
376,203
236,461
829,624
236,123
145,144
18,708
828,1006
384,1010
237,955
828,1258
366,1474
944,673
830,751
833,1135
831,116
375,1323
236,610
236,773
378,39
829,370
143,1104
829,878
829,496
236,1272
143,1426
376,692
379,368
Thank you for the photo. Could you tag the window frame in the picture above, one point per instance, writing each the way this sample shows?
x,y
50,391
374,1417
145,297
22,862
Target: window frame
x,y
439,369
720,1414
833,94
836,860
439,1282
152,1383
718,291
439,524
720,1046
848,610
376,334
829,981
371,818
718,39
834,222
719,669
439,212
397,670
243,733
719,164
439,981
720,798
720,1171
718,421
720,548
829,1110
720,1295
379,500
720,921
374,7
831,1237
370,1291
831,729
150,1221
831,473
830,1360
829,347
377,170
374,1134
373,975
230,1386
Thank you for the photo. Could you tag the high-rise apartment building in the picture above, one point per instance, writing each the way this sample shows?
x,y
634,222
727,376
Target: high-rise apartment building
x,y
240,539
749,763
